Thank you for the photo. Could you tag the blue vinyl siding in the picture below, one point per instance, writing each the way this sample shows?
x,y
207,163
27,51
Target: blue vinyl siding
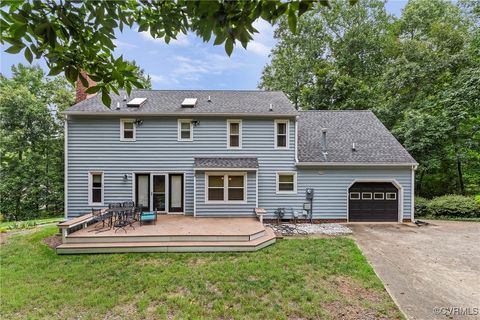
x,y
226,210
94,145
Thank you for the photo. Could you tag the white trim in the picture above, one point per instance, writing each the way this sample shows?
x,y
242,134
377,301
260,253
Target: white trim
x,y
65,160
277,180
378,193
296,139
392,181
122,129
412,195
225,188
365,193
194,194
356,193
256,192
287,138
390,193
90,188
352,164
225,169
179,114
179,129
240,133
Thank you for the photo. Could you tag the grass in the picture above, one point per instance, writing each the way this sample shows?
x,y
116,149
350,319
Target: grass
x,y
27,224
301,278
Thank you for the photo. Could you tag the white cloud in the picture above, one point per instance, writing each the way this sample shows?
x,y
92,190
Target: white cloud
x,y
124,44
192,69
182,39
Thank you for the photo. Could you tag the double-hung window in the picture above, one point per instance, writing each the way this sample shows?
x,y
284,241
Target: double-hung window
x,y
234,134
185,130
286,182
95,188
281,134
127,130
226,188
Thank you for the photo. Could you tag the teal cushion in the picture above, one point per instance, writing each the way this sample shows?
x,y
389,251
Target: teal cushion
x,y
149,216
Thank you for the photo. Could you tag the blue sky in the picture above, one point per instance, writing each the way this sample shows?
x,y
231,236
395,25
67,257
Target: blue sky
x,y
189,63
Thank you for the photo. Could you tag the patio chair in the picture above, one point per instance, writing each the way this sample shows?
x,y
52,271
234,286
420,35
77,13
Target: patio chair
x,y
98,217
137,211
129,204
148,216
280,213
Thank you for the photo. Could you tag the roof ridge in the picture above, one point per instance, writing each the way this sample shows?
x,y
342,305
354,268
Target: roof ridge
x,y
205,90
336,111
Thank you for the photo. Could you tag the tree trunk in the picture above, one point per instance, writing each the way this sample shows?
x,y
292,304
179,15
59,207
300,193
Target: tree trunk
x,y
460,175
418,189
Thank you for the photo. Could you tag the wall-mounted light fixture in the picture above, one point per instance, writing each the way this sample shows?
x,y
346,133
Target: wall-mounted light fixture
x,y
125,177
195,123
138,122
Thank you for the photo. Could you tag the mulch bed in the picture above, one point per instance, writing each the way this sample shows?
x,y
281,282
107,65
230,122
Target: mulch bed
x,y
53,241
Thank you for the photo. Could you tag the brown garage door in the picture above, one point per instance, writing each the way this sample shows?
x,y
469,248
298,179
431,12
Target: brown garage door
x,y
373,201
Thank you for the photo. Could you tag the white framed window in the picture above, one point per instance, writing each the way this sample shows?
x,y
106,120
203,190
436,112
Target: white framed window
x,y
281,134
366,196
234,134
127,130
185,130
378,196
286,182
225,187
391,196
95,188
354,195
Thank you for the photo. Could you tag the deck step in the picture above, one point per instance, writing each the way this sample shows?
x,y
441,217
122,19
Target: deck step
x,y
120,237
169,246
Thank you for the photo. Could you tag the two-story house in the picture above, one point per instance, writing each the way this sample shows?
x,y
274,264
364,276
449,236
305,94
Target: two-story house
x,y
219,153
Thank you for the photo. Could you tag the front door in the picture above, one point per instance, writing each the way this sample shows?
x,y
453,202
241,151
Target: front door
x,y
175,203
159,187
142,195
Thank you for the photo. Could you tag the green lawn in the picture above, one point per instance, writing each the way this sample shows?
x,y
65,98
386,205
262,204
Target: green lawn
x,y
302,278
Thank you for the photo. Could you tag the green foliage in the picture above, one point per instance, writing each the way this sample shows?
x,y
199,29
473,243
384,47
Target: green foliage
x,y
448,206
318,277
78,35
31,143
419,73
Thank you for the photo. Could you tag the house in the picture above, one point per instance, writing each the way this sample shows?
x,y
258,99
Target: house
x,y
218,153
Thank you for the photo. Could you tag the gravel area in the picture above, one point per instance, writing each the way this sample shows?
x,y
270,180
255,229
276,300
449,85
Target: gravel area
x,y
307,228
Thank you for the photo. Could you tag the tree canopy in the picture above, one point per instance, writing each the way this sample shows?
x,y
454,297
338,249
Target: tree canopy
x,y
419,73
78,35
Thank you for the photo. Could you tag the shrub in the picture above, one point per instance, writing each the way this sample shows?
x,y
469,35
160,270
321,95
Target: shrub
x,y
454,205
421,207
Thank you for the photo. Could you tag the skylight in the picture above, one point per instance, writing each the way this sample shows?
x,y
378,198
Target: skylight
x,y
189,102
136,102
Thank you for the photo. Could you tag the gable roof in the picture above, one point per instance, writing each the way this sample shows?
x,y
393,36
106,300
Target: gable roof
x,y
165,102
374,144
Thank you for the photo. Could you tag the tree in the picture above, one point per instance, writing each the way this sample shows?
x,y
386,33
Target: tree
x,y
31,142
73,36
335,58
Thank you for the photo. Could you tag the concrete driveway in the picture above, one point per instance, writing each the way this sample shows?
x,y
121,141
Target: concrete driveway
x,y
428,270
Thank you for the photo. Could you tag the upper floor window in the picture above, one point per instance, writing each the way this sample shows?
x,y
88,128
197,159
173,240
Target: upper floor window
x,y
95,188
281,134
185,130
234,134
127,130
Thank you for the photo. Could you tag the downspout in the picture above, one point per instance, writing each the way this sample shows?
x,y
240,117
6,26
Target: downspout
x,y
412,209
296,139
65,159
194,193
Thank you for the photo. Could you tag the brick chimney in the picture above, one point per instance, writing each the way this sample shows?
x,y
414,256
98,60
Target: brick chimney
x,y
80,88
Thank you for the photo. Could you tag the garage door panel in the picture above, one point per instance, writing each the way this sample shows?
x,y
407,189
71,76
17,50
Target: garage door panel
x,y
366,209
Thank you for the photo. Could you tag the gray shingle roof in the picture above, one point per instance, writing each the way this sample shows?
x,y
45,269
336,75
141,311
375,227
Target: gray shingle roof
x,y
373,142
170,101
226,162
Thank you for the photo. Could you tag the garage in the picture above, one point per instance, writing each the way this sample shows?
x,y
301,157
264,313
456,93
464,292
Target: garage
x,y
373,202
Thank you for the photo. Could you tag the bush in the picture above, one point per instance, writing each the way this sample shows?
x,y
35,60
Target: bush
x,y
455,206
421,207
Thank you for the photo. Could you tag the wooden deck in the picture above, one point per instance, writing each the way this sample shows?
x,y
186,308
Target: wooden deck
x,y
173,233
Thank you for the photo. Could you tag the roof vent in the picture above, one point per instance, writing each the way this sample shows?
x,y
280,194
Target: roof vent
x,y
136,102
353,147
118,106
271,107
189,102
124,97
209,99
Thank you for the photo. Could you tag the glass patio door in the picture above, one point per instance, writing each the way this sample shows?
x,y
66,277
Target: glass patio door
x,y
158,192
